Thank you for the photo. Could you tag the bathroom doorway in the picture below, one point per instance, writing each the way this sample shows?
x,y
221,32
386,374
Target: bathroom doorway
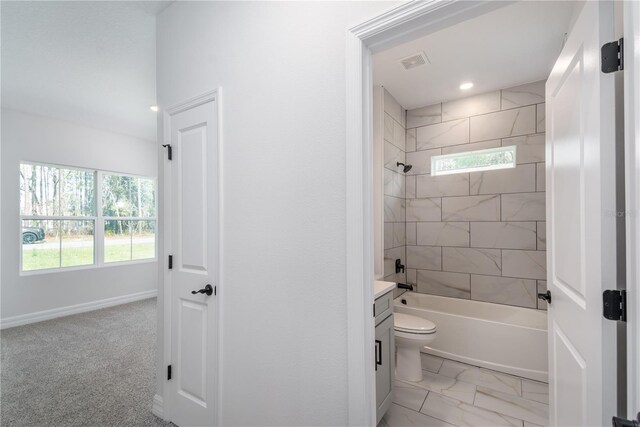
x,y
452,232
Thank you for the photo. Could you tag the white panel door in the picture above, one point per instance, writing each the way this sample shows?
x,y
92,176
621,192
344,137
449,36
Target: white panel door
x,y
581,253
194,247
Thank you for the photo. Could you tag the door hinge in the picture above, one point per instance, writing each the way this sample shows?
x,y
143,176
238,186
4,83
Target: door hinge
x,y
612,56
622,422
169,151
614,305
169,372
170,262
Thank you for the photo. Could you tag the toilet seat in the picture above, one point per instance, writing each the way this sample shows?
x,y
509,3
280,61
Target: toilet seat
x,y
413,324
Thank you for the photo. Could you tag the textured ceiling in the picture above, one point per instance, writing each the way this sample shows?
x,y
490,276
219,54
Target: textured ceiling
x,y
515,44
88,62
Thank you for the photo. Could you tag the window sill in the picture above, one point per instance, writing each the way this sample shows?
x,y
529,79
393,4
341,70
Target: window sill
x,y
86,267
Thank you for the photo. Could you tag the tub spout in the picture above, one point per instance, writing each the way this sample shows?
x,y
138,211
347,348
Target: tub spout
x,y
406,286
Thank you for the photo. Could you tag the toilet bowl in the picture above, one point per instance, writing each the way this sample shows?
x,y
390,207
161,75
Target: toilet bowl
x,y
411,334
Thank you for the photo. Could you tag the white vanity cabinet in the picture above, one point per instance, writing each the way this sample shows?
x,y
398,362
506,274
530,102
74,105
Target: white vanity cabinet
x,y
384,353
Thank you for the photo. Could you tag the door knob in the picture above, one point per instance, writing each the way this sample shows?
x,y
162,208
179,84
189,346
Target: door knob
x,y
208,290
546,296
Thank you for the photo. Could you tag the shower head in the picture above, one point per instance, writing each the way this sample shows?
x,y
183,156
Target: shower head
x,y
405,168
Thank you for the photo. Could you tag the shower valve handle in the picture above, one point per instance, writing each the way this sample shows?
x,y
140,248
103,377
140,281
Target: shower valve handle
x,y
546,296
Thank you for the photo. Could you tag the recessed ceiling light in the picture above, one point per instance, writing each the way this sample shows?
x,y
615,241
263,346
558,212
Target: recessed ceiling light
x,y
154,108
466,85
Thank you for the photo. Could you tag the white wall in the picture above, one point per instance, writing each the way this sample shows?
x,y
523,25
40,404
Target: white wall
x,y
282,70
27,137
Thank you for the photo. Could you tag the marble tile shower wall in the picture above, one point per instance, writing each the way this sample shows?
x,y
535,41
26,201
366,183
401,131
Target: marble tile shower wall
x,y
394,188
476,235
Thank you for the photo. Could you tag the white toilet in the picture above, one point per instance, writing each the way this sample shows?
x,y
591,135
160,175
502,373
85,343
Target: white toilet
x,y
411,333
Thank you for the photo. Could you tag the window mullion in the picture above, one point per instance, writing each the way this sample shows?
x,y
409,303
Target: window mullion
x,y
130,240
99,226
60,243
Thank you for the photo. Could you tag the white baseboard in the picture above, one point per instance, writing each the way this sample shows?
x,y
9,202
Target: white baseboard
x,y
24,319
157,408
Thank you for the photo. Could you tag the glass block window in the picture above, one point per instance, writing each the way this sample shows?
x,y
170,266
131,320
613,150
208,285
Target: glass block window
x,y
474,161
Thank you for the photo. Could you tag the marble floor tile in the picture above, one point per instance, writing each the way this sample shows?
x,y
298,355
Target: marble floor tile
x,y
430,362
481,377
383,423
534,390
408,395
511,405
397,416
463,414
447,386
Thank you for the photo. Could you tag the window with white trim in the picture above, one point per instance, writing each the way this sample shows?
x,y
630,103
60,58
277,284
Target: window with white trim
x,y
73,217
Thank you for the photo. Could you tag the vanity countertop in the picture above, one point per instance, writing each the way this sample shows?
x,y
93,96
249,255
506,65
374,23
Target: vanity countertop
x,y
380,288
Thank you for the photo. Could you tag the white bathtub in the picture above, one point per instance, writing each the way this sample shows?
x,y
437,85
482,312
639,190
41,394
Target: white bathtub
x,y
500,337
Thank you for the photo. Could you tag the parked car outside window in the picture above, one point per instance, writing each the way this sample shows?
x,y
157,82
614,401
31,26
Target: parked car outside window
x,y
32,235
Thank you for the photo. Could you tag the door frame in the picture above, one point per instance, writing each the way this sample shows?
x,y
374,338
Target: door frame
x,y
631,18
403,23
162,407
407,21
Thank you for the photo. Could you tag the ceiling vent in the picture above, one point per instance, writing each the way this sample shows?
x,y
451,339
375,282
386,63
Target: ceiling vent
x,y
414,61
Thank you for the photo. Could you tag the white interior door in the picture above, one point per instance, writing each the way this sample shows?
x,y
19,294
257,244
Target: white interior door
x,y
581,228
194,247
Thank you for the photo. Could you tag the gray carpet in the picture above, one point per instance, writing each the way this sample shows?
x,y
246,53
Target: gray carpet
x,y
89,369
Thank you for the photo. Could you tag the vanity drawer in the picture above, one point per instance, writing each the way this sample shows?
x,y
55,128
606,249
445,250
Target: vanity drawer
x,y
383,307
